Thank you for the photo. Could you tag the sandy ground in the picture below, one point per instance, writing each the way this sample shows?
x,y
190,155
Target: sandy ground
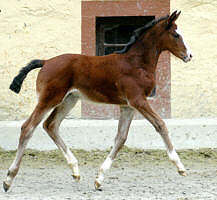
x,y
135,175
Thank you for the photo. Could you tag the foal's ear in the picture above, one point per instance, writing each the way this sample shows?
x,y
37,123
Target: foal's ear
x,y
173,17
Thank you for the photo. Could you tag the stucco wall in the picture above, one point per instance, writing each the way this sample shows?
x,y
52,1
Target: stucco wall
x,y
194,86
42,29
29,30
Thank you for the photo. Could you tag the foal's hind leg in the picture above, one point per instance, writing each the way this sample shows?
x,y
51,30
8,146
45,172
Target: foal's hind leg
x,y
126,116
26,133
143,107
51,125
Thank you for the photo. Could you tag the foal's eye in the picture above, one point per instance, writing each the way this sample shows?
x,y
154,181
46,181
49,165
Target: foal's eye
x,y
176,35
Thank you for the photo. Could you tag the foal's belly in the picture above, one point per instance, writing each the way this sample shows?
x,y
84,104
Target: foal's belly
x,y
95,96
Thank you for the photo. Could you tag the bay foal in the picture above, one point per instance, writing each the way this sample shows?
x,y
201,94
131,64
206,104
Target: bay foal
x,y
125,78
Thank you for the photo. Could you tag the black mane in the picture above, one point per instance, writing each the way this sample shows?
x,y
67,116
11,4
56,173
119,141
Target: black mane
x,y
138,32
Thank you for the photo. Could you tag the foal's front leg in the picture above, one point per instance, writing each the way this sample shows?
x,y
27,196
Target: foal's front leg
x,y
126,116
143,107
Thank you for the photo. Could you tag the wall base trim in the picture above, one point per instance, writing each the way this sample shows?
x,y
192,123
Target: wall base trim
x,y
99,134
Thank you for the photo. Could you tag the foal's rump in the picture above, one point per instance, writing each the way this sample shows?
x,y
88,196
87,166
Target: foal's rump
x,y
54,73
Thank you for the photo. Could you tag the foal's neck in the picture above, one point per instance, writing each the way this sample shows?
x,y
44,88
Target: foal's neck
x,y
145,53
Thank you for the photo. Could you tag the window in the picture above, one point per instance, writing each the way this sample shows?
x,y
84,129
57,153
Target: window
x,y
113,33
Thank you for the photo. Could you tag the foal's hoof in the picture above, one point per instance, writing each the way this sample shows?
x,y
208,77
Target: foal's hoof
x,y
97,186
182,173
6,186
76,177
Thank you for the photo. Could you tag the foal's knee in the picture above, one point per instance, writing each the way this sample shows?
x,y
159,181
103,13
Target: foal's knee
x,y
161,128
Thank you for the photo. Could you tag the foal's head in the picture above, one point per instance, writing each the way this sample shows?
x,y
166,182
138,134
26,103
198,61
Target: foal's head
x,y
172,39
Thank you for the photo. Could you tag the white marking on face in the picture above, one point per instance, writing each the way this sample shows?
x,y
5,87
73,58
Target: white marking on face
x,y
189,54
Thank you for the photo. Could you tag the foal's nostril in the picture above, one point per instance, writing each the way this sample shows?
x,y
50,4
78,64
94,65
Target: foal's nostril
x,y
191,56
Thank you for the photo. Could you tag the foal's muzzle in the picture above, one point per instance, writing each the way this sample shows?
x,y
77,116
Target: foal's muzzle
x,y
187,58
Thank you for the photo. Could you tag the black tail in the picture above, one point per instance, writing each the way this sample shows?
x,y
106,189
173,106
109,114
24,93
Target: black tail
x,y
18,80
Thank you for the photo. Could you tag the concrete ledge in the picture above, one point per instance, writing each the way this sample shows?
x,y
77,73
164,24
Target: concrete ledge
x,y
99,134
